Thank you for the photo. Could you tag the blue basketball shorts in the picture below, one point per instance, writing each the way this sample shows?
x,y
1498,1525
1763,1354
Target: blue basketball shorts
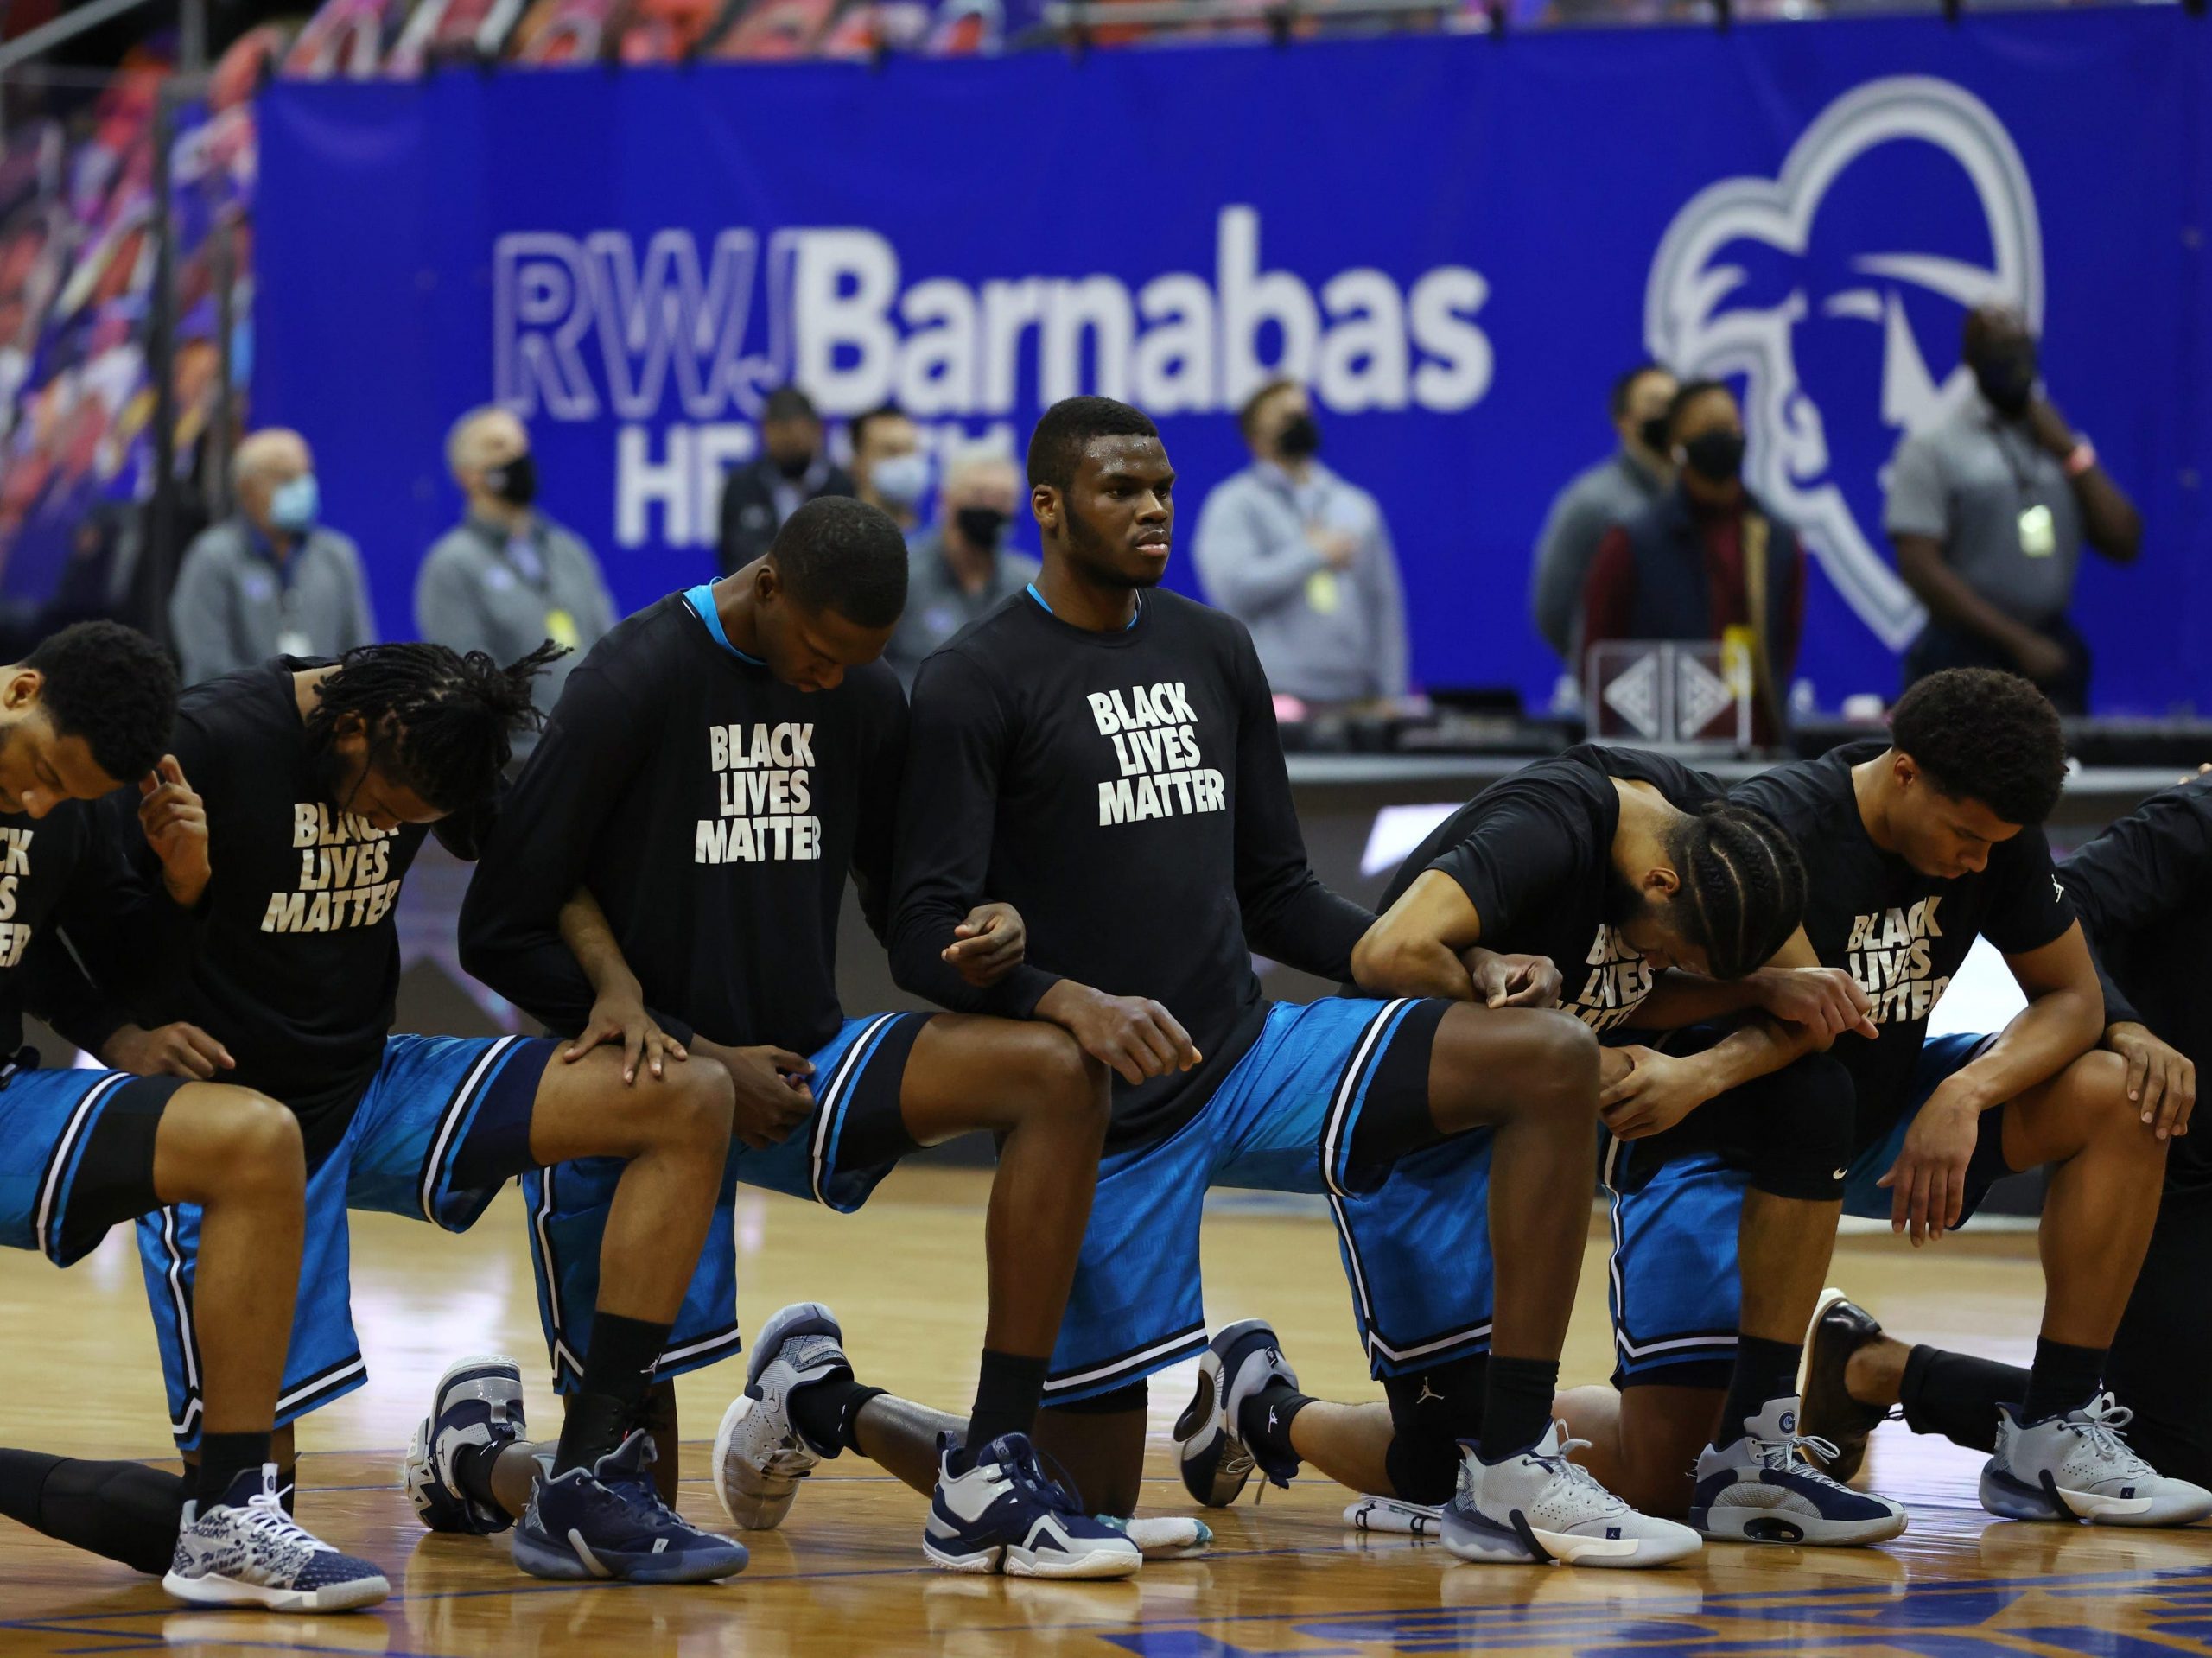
x,y
837,1156
1675,1285
433,1099
1286,1118
76,1155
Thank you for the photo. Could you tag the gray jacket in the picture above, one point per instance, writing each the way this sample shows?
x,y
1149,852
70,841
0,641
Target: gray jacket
x,y
1322,635
479,590
1611,492
234,607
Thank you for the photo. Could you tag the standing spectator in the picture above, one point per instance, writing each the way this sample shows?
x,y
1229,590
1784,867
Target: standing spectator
x,y
959,570
1617,488
793,468
890,472
1706,560
1303,560
1989,509
506,578
273,579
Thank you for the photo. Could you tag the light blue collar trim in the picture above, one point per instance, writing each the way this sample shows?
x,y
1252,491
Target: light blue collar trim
x,y
1032,591
702,600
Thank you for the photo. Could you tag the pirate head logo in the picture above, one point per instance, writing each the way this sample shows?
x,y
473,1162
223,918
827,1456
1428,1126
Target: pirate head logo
x,y
1836,293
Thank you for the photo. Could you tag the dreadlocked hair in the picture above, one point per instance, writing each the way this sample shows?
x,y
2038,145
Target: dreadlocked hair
x,y
1743,891
439,724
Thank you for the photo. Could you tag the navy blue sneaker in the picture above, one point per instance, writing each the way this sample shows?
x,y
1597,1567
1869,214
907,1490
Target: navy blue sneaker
x,y
1002,1512
1209,1438
608,1522
1766,1488
478,1404
246,1551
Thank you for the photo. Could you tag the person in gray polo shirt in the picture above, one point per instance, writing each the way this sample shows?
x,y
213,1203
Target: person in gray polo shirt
x,y
1613,491
1303,558
963,568
507,578
273,579
1988,510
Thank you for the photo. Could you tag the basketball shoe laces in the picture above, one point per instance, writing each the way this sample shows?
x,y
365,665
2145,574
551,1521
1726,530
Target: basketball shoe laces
x,y
1028,1474
1580,1480
269,1526
2098,1425
1794,1453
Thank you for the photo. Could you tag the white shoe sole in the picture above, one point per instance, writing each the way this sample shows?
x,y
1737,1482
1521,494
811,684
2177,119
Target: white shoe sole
x,y
1488,1547
751,1504
230,1591
1732,1526
1099,1566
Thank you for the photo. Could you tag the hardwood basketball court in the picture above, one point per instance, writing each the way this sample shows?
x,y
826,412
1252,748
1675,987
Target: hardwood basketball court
x,y
845,1576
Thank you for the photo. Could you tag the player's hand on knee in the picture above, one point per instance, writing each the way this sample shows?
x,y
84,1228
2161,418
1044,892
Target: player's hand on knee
x,y
621,1016
1502,981
1655,1094
1928,1182
2161,1081
175,1050
1133,1036
1827,1001
989,944
773,1096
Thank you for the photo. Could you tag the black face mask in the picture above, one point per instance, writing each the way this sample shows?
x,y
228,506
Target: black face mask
x,y
515,483
2006,373
794,466
1653,433
1716,455
981,527
1299,438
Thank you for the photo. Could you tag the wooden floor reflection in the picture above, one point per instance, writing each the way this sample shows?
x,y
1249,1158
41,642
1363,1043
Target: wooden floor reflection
x,y
845,1576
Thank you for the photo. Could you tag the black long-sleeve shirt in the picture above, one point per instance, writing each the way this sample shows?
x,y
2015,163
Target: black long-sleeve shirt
x,y
714,812
1125,791
2143,892
60,873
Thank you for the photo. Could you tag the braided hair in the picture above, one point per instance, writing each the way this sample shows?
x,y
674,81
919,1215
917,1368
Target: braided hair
x,y
1743,891
439,724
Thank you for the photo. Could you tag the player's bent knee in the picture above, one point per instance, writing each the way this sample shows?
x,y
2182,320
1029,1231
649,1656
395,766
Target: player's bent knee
x,y
1562,1056
235,1141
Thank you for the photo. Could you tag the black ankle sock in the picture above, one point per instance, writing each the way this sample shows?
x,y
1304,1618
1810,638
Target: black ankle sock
x,y
2061,1379
618,1374
1519,1408
123,1511
827,1413
1007,1393
1263,1422
1956,1395
1765,1371
223,1458
472,1468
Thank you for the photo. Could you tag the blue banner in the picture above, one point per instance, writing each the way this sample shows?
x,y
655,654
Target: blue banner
x,y
1457,241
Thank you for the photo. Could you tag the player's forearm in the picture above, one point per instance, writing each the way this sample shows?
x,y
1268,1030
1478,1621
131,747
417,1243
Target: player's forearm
x,y
1757,1049
1388,963
591,941
2053,1030
919,935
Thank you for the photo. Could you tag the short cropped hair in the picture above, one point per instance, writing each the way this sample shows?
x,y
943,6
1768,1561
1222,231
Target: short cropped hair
x,y
1068,427
1248,412
113,686
856,429
1981,734
1617,403
1688,393
838,553
788,402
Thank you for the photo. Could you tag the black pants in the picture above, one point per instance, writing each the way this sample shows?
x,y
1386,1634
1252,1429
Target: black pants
x,y
2162,1354
1940,647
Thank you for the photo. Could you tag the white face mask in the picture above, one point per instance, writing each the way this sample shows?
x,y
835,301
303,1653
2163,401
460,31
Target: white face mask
x,y
901,480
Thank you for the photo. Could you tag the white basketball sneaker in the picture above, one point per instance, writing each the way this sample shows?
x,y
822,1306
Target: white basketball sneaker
x,y
246,1551
2078,1466
1536,1507
760,1456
